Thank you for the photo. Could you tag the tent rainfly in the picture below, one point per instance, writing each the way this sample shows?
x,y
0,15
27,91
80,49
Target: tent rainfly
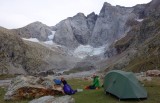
x,y
123,85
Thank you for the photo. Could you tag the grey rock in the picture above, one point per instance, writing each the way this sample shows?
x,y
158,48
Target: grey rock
x,y
91,20
110,24
12,50
95,30
152,9
51,99
64,35
31,87
34,30
75,30
24,57
80,28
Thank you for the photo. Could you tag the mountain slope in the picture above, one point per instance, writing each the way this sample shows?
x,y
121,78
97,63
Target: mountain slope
x,y
139,49
24,57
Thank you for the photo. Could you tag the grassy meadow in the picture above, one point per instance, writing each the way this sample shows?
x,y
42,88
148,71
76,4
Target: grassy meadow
x,y
99,96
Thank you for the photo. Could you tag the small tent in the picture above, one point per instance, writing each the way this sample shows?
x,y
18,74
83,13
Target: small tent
x,y
123,85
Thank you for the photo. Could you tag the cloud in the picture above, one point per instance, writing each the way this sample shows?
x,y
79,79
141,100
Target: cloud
x,y
14,20
127,3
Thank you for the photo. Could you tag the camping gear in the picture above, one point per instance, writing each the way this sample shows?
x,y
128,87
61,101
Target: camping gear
x,y
79,90
123,85
57,81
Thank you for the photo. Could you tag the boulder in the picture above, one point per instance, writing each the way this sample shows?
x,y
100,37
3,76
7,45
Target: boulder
x,y
27,87
153,73
51,99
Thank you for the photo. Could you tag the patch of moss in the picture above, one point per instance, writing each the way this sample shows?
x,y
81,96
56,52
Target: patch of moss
x,y
6,76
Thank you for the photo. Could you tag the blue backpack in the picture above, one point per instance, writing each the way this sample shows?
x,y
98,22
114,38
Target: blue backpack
x,y
57,82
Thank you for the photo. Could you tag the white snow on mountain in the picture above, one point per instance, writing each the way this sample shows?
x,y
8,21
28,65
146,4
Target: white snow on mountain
x,y
50,42
139,20
50,38
31,39
86,50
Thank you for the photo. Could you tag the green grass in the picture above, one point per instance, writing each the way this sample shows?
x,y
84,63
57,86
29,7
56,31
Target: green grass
x,y
98,96
2,93
76,70
6,76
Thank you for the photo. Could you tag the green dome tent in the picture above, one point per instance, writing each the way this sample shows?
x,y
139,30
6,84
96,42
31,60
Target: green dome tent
x,y
123,85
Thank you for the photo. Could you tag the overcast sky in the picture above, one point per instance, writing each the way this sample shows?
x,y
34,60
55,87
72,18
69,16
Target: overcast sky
x,y
18,13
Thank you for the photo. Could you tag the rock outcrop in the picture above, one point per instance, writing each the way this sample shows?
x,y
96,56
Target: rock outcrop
x,y
51,99
30,87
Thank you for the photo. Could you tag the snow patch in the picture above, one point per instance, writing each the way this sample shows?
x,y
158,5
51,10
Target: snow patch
x,y
97,51
49,42
51,37
139,20
31,39
86,50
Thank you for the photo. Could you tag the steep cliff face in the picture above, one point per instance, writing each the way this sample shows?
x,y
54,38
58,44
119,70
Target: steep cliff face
x,y
75,30
152,9
34,30
94,30
110,24
139,49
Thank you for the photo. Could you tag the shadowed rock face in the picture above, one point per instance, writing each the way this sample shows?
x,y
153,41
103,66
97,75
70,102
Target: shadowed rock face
x,y
95,30
152,9
75,30
139,49
110,24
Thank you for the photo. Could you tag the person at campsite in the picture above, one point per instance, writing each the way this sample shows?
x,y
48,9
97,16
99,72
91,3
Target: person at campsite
x,y
95,83
67,88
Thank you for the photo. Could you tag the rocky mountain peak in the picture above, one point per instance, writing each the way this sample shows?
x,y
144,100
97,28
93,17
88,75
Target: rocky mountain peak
x,y
153,8
34,30
106,4
110,24
36,23
92,16
79,15
106,9
91,20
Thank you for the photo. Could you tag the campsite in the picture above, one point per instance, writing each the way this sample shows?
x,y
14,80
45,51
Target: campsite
x,y
100,96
